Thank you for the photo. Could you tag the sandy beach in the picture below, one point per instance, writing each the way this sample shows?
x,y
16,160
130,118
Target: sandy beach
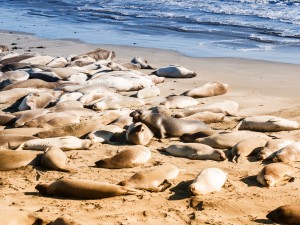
x,y
260,88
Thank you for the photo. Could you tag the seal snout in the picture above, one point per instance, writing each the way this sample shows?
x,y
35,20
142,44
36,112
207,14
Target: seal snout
x,y
100,163
42,188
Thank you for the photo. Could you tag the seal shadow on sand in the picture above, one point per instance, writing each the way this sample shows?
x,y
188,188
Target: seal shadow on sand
x,y
181,190
251,181
263,221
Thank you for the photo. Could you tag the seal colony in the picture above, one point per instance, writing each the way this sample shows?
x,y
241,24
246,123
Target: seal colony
x,y
58,110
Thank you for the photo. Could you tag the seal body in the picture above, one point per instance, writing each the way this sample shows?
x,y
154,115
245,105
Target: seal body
x,y
289,153
138,134
206,117
274,172
163,125
271,147
268,124
148,92
67,220
154,179
179,102
208,90
14,217
131,157
175,71
83,189
209,180
247,147
196,151
286,214
54,158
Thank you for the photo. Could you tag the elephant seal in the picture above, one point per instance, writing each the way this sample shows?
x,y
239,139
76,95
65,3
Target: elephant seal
x,y
247,147
227,139
67,220
83,189
175,71
162,110
130,157
38,60
208,90
14,76
13,141
271,147
148,92
73,96
286,214
274,173
289,153
227,107
196,151
209,180
65,143
155,179
97,54
58,62
6,118
54,158
26,116
117,102
163,125
179,102
138,134
15,217
105,134
32,83
206,117
37,101
267,124
142,62
10,160
13,95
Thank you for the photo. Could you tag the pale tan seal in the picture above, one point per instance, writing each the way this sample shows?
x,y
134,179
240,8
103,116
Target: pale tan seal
x,y
155,179
175,71
247,147
271,147
274,173
95,96
29,115
67,220
117,102
38,60
105,134
138,134
179,102
228,139
11,96
148,92
83,189
267,124
196,151
208,90
132,156
206,117
10,159
54,158
97,54
209,180
65,143
163,125
6,118
14,76
31,83
286,214
37,101
70,96
16,217
142,62
289,153
162,110
13,141
21,131
58,62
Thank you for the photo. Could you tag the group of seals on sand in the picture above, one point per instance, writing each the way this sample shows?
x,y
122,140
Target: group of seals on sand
x,y
61,104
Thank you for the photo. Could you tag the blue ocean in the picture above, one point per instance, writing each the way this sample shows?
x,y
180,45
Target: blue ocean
x,y
257,29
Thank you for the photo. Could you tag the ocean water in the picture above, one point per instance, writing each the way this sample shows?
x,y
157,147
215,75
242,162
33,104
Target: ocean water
x,y
258,29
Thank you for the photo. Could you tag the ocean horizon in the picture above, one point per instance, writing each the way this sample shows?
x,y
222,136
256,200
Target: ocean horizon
x,y
253,29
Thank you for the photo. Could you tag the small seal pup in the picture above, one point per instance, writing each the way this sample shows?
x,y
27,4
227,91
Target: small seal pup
x,y
83,189
138,134
196,151
148,92
15,217
271,147
286,214
179,102
54,158
274,173
175,71
163,125
247,147
10,159
130,157
267,124
209,180
289,153
105,134
155,179
208,90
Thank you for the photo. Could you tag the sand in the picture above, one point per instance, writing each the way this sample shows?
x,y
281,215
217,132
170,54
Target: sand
x,y
260,87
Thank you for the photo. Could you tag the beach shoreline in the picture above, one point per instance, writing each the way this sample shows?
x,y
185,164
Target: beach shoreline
x,y
260,87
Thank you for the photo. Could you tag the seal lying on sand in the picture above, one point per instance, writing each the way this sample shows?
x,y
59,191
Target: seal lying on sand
x,y
271,147
163,125
208,180
286,214
175,71
14,217
83,189
54,158
208,90
154,179
179,102
275,172
289,153
138,134
67,220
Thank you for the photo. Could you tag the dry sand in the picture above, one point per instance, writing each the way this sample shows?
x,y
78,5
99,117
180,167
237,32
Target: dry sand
x,y
259,87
